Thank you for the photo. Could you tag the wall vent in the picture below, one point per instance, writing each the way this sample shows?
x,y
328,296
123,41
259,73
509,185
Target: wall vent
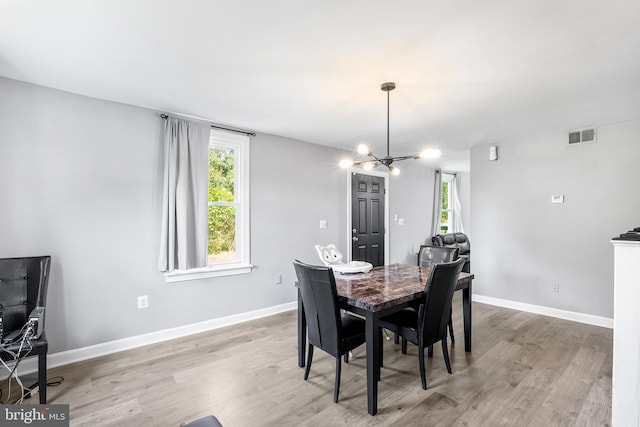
x,y
584,135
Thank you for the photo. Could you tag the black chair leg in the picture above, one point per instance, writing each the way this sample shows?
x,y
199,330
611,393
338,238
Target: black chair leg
x,y
337,386
404,345
42,378
396,339
309,359
453,339
431,350
423,376
346,357
445,353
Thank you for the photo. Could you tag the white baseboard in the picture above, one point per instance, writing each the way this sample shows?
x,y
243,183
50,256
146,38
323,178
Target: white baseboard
x,y
546,311
102,349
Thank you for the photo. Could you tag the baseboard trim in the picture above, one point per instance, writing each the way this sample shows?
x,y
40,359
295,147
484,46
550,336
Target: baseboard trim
x,y
590,319
77,355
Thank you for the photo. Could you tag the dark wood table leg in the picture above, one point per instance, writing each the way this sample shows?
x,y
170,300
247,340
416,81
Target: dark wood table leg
x,y
466,312
373,360
302,332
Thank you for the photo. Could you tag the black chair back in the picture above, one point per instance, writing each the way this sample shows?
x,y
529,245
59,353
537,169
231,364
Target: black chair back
x,y
430,255
23,287
319,297
433,316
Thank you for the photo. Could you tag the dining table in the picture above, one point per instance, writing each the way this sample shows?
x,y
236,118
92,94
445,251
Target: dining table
x,y
375,294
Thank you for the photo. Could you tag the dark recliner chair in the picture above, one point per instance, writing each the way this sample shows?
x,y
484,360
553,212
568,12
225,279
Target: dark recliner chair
x,y
23,287
456,240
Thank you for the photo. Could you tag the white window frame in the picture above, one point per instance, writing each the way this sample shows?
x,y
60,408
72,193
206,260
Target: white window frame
x,y
242,265
448,178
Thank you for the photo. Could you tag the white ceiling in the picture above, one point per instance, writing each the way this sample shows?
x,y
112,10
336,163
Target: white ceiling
x,y
467,72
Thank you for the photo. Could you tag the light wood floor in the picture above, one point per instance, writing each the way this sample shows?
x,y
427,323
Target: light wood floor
x,y
525,370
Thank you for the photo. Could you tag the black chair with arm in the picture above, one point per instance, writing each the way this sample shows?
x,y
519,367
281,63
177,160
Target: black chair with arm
x,y
456,240
428,325
430,255
328,329
23,287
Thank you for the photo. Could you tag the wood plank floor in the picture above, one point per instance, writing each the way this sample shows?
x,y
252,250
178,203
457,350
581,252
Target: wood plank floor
x,y
525,370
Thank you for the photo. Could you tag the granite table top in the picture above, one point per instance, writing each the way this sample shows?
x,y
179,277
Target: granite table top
x,y
386,286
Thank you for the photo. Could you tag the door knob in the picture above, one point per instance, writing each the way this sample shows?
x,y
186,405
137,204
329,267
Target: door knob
x,y
354,238
354,231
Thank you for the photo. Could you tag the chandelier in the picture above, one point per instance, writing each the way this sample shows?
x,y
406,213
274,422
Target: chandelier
x,y
374,161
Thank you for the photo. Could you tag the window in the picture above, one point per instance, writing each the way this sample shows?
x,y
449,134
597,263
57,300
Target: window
x,y
228,209
446,207
226,204
228,236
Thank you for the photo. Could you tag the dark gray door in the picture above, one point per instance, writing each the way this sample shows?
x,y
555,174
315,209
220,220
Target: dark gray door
x,y
367,218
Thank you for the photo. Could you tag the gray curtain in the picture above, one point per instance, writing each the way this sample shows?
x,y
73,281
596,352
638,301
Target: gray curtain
x,y
183,239
437,202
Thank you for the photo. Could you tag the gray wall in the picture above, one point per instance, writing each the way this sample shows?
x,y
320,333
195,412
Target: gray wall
x,y
522,244
81,181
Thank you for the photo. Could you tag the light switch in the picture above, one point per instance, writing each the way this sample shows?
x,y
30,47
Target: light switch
x,y
493,153
557,198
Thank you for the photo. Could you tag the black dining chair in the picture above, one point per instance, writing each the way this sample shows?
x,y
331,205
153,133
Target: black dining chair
x,y
430,255
428,324
23,295
328,329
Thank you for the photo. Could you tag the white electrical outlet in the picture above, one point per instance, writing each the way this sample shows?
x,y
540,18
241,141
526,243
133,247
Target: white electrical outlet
x,y
143,301
556,287
323,223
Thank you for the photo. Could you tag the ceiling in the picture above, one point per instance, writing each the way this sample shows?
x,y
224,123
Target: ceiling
x,y
467,72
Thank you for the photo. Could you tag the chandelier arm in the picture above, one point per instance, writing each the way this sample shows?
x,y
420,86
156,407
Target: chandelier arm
x,y
376,159
413,156
385,161
373,155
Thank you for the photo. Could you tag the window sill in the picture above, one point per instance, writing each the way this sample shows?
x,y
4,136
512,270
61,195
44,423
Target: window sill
x,y
208,272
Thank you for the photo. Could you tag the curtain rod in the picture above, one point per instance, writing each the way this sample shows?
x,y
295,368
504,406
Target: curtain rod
x,y
164,116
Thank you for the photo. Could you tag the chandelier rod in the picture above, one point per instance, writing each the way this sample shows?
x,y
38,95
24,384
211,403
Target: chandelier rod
x,y
388,122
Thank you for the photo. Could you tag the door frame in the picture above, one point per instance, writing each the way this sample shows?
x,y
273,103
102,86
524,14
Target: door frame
x,y
384,175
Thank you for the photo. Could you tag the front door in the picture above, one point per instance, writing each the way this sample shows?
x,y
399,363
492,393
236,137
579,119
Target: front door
x,y
367,218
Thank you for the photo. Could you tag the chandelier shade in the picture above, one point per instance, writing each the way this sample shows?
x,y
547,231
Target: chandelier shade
x,y
387,161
